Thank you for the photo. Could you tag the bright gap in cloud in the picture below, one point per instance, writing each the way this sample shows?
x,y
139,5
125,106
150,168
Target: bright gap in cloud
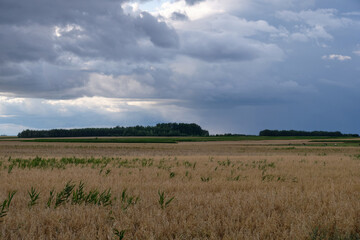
x,y
151,6
112,105
10,129
17,114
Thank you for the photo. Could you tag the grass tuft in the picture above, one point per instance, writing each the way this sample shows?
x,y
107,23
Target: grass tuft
x,y
4,207
162,200
34,196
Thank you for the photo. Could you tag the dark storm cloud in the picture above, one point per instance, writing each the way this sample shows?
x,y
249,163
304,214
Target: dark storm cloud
x,y
218,48
47,46
118,39
40,80
177,16
58,49
160,34
54,12
193,2
216,51
91,29
20,44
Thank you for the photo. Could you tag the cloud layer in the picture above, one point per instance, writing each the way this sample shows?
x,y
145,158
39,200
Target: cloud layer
x,y
227,65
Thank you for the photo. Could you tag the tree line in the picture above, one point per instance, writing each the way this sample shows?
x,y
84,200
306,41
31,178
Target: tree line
x,y
292,133
161,129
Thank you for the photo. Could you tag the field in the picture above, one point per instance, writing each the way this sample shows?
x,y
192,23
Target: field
x,y
244,189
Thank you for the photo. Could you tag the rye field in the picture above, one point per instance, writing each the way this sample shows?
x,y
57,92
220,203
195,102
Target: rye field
x,y
265,189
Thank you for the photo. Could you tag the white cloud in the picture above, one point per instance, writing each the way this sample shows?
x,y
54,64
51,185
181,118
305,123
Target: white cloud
x,y
336,57
301,37
319,17
134,85
226,23
315,33
314,24
357,52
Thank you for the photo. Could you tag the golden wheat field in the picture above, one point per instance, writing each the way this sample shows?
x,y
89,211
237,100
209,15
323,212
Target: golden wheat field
x,y
213,190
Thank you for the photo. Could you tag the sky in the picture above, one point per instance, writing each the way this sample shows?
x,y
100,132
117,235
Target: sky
x,y
231,66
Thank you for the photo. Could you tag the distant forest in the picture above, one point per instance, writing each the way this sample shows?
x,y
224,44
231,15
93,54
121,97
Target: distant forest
x,y
292,133
161,129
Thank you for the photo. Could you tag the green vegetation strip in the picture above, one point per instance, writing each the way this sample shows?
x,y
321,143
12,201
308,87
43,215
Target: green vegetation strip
x,y
340,142
180,139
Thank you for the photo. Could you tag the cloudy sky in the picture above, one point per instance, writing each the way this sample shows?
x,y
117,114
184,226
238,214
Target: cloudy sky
x,y
237,66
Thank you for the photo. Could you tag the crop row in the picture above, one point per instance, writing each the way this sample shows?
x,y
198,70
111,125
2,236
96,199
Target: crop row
x,y
39,162
165,164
